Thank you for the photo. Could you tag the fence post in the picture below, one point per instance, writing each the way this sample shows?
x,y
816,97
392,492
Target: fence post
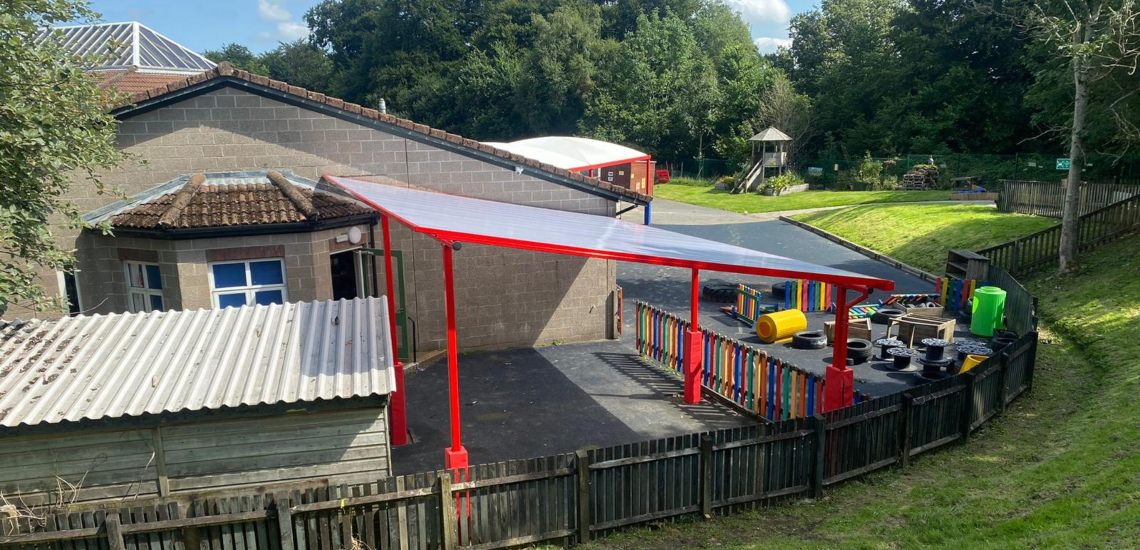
x,y
1003,373
1032,364
905,429
819,426
967,406
284,520
706,476
583,461
114,531
448,522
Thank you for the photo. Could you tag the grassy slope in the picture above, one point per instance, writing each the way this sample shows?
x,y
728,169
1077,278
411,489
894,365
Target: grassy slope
x,y
752,203
1061,468
920,234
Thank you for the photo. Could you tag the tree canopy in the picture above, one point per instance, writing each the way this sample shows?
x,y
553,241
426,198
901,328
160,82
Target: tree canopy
x,y
54,128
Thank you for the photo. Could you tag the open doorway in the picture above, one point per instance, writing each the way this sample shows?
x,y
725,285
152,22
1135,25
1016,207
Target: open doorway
x,y
344,275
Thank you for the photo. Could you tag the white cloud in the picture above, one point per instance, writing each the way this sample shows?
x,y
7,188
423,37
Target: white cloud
x,y
273,11
276,13
768,44
291,30
759,12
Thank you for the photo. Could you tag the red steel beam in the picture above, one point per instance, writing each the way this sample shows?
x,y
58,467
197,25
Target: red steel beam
x,y
691,364
398,417
839,381
454,457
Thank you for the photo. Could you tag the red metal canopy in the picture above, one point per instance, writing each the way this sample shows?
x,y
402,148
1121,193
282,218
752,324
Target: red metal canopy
x,y
468,220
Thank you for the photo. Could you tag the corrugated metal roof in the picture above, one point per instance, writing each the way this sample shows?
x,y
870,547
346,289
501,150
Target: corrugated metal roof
x,y
131,364
129,44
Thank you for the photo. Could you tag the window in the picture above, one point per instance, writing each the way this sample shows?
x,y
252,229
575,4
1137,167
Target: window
x,y
144,287
235,284
69,291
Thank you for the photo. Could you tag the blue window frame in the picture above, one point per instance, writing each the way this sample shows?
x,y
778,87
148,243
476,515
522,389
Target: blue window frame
x,y
236,284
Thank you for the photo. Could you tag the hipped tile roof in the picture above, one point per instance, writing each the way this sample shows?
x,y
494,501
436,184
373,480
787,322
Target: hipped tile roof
x,y
225,70
228,200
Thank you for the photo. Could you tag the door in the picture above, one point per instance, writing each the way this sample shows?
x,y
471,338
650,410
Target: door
x,y
344,275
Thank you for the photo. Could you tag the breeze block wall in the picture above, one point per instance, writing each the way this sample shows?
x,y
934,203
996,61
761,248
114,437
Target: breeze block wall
x,y
505,297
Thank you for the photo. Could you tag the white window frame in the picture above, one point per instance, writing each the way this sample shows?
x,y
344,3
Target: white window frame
x,y
61,280
145,291
250,289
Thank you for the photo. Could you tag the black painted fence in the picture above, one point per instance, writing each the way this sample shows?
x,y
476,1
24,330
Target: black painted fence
x,y
574,497
1039,250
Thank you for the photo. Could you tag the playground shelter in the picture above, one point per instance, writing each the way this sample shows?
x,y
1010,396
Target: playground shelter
x,y
452,220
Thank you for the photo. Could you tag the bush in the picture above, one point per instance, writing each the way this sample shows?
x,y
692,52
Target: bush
x,y
869,171
783,181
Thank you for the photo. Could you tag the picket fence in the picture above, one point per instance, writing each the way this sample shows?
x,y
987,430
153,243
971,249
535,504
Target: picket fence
x,y
575,497
741,374
1041,198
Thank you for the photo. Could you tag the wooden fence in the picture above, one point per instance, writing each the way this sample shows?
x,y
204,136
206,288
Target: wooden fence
x,y
571,497
1047,199
1038,250
741,374
574,497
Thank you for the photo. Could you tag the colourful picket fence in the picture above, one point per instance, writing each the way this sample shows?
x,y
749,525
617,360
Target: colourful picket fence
x,y
954,293
747,376
808,295
748,303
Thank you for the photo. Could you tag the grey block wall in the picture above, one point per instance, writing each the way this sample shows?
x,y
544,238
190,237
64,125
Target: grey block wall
x,y
505,297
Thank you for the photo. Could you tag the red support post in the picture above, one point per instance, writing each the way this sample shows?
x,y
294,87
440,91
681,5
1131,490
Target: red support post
x,y
397,404
693,352
454,457
839,383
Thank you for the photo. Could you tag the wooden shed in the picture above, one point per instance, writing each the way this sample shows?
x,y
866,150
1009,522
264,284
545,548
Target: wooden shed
x,y
166,403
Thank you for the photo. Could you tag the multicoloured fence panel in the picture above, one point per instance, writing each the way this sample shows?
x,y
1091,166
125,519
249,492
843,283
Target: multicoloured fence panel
x,y
747,376
954,293
749,306
808,295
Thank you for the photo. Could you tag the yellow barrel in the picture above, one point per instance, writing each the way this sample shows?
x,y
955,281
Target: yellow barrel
x,y
780,325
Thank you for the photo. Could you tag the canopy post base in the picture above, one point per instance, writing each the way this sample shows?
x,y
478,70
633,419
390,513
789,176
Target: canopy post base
x,y
456,460
839,387
648,213
692,366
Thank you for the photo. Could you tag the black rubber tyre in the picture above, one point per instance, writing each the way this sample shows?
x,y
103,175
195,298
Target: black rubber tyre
x,y
859,350
779,289
719,292
809,339
886,315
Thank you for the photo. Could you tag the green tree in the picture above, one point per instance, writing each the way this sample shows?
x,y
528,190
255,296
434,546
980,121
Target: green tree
x,y
239,56
54,128
658,90
300,64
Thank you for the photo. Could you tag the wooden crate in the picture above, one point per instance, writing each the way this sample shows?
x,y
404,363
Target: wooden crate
x,y
856,328
925,312
913,329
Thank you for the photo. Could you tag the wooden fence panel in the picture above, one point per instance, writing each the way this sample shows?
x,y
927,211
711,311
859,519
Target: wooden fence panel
x,y
988,392
1019,359
935,415
862,438
517,502
1047,199
636,483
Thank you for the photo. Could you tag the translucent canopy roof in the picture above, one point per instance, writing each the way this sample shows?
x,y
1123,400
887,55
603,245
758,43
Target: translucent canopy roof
x,y
128,45
572,153
468,220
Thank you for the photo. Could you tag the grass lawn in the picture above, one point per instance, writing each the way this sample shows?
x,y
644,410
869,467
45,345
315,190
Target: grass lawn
x,y
920,234
752,203
1060,469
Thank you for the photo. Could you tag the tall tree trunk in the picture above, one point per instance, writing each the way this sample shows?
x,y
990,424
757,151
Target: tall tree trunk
x,y
1071,210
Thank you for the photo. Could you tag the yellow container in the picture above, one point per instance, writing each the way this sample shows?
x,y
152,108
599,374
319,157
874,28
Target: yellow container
x,y
780,325
971,362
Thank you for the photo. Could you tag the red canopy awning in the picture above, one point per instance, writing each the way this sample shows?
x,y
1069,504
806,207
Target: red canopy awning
x,y
468,220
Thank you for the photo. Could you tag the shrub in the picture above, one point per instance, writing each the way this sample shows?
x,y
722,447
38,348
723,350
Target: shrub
x,y
783,181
